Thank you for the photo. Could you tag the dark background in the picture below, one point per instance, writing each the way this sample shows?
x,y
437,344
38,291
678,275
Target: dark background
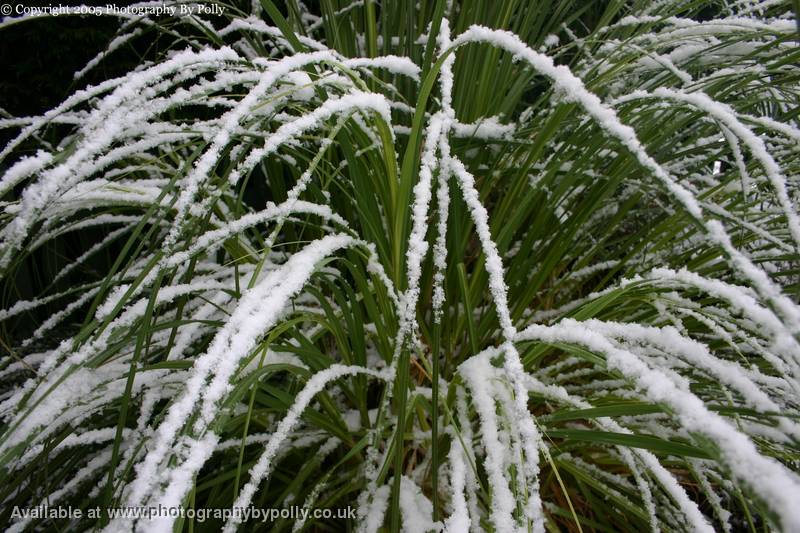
x,y
38,57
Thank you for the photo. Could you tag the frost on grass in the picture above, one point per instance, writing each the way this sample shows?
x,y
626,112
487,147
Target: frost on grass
x,y
258,259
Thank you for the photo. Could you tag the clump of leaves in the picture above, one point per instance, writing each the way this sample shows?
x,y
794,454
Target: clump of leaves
x,y
475,266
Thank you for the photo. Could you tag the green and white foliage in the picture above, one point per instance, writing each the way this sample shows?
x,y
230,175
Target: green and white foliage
x,y
486,265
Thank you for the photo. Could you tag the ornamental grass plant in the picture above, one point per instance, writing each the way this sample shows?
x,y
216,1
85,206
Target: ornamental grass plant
x,y
485,265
